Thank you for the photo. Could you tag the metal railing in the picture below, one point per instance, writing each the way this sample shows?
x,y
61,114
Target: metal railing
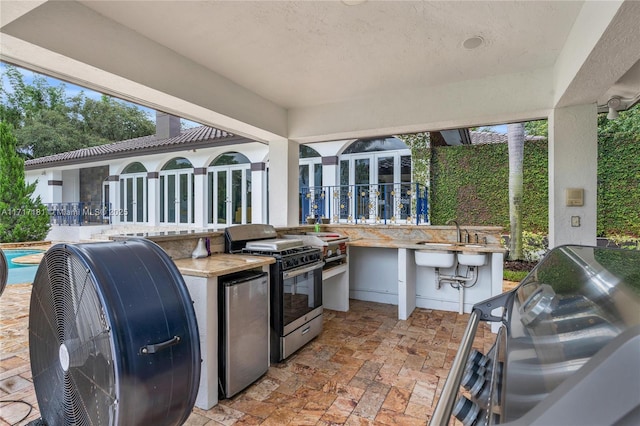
x,y
78,213
388,203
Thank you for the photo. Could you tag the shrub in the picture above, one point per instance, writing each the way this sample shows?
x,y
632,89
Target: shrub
x,y
21,217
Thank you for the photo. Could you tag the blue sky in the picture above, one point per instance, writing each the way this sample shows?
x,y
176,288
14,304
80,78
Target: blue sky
x,y
72,90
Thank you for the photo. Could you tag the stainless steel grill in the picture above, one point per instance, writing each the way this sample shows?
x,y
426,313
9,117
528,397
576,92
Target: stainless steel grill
x,y
567,350
295,285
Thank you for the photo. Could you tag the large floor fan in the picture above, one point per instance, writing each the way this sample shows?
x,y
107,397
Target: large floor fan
x,y
113,338
4,271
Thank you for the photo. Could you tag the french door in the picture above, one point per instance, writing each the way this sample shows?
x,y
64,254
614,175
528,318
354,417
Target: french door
x,y
229,194
176,197
133,198
374,186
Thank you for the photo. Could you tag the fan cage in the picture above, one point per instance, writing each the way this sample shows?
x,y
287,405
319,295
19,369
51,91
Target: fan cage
x,y
72,319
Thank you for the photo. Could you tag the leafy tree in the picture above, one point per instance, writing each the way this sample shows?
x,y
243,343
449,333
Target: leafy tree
x,y
99,116
47,122
21,217
537,128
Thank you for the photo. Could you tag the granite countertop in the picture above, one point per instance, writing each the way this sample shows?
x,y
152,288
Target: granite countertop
x,y
436,246
221,264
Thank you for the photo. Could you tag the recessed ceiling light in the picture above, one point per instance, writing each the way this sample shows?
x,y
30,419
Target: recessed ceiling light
x,y
473,42
353,2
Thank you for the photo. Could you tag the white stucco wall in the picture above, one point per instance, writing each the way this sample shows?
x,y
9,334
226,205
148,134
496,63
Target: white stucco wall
x,y
31,176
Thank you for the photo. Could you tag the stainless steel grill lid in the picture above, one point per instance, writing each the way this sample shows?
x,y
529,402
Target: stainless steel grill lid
x,y
274,245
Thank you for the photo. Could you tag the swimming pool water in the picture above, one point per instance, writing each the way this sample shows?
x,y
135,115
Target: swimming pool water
x,y
20,273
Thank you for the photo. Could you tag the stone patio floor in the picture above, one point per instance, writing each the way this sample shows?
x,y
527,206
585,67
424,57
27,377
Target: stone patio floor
x,y
366,367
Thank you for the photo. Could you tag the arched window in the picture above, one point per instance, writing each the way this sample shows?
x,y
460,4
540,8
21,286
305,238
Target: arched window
x,y
229,158
176,192
177,163
133,193
377,144
229,189
308,152
136,167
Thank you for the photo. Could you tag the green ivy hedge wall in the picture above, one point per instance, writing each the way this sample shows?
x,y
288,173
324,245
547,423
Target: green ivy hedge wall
x,y
470,183
618,183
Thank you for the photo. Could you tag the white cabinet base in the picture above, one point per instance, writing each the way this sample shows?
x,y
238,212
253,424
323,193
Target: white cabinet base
x,y
204,292
335,288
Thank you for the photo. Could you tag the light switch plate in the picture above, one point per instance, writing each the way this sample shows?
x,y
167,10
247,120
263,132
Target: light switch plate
x,y
575,221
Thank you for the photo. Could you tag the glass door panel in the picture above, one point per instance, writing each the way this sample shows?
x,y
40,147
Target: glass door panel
x,y
106,207
122,202
236,196
343,201
162,199
129,199
304,194
362,173
210,197
171,198
184,197
405,186
140,199
385,187
248,192
221,183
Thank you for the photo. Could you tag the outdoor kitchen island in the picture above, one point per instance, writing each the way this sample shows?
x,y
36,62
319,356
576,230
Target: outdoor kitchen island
x,y
386,271
201,277
383,268
380,267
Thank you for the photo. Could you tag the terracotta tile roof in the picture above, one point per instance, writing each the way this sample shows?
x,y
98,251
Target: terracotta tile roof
x,y
145,144
479,138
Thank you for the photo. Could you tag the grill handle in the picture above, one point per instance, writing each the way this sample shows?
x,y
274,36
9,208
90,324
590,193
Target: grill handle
x,y
444,407
299,271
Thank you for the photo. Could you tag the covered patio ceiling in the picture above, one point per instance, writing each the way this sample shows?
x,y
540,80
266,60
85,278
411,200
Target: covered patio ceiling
x,y
312,71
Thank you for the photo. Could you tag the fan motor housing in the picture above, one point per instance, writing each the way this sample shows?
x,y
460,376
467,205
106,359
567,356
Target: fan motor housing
x,y
113,337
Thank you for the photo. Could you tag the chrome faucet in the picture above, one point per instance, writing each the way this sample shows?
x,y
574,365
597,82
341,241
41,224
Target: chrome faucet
x,y
458,235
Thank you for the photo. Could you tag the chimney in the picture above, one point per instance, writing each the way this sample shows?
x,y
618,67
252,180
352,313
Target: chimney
x,y
167,125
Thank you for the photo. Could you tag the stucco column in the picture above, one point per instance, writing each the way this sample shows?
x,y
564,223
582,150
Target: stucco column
x,y
200,197
283,183
54,187
153,198
573,165
258,193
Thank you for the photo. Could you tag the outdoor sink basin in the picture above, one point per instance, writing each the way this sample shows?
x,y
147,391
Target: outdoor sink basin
x,y
472,259
435,258
427,243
